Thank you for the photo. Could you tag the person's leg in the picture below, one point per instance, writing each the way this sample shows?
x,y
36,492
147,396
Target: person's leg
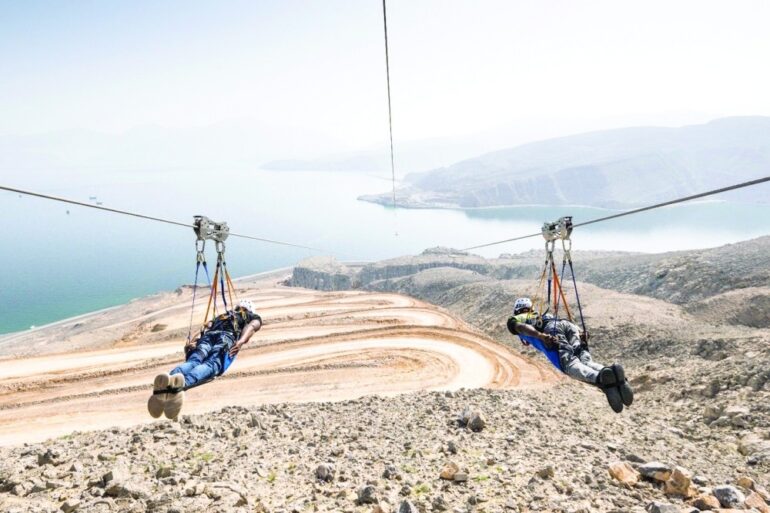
x,y
579,365
195,358
576,369
586,359
206,370
573,366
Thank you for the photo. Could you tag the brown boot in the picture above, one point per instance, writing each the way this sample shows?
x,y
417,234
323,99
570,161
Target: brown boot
x,y
175,400
158,399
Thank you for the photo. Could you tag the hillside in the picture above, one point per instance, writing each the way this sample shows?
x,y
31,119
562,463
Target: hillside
x,y
694,279
602,169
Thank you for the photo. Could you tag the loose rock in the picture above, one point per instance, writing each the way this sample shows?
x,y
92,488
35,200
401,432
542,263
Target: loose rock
x,y
622,471
661,507
680,483
729,496
449,471
705,502
367,494
325,472
656,471
70,505
754,500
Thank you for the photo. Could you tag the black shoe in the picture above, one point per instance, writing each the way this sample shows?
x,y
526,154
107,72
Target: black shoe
x,y
609,384
626,393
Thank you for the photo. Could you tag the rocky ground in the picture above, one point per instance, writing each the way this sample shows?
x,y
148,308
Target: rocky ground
x,y
553,450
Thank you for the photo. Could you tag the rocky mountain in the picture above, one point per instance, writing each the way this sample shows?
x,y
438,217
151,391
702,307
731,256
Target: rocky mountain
x,y
603,169
732,277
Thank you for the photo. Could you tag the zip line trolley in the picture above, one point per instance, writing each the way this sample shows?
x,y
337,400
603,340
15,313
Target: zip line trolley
x,y
550,291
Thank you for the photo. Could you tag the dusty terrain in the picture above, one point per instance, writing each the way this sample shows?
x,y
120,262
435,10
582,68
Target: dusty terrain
x,y
314,346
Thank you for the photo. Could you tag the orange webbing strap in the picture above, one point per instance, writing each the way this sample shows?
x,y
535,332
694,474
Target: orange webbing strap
x,y
557,286
230,288
212,296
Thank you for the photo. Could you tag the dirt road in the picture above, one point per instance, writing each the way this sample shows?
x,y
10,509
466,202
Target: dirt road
x,y
314,347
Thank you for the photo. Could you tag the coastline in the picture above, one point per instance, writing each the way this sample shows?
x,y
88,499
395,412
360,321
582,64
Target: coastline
x,y
5,337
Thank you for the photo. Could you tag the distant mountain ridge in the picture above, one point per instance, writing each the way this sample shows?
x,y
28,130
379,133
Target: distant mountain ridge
x,y
614,168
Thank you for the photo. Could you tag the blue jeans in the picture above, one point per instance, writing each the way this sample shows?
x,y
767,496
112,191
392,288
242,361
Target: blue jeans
x,y
207,360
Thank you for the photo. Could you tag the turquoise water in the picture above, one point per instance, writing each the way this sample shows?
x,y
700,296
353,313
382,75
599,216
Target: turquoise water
x,y
56,265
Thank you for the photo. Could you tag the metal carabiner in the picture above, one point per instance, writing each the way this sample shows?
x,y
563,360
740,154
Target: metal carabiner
x,y
200,247
550,245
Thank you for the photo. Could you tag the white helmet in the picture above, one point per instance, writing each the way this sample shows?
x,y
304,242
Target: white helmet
x,y
248,306
520,304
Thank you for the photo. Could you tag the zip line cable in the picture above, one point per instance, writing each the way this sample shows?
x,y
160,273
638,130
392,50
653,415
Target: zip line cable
x,y
680,200
281,243
636,211
150,218
390,110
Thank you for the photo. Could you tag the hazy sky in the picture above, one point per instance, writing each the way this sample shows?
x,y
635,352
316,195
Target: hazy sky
x,y
458,67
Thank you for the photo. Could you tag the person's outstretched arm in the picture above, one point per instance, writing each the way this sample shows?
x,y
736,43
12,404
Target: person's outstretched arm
x,y
251,328
521,328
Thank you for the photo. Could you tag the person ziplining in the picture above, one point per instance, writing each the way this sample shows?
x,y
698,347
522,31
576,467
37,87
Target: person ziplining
x,y
561,340
209,353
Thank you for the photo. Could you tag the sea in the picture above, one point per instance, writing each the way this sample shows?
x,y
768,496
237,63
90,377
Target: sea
x,y
61,260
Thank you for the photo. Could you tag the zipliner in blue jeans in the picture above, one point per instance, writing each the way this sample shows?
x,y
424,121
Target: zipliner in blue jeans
x,y
206,357
209,359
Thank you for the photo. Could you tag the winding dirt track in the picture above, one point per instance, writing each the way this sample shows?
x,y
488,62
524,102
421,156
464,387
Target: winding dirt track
x,y
314,347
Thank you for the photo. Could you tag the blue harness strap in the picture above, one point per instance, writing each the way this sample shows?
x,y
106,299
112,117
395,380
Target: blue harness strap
x,y
551,354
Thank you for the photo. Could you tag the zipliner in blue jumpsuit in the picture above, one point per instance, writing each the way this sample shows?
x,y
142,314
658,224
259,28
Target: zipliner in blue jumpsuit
x,y
559,340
